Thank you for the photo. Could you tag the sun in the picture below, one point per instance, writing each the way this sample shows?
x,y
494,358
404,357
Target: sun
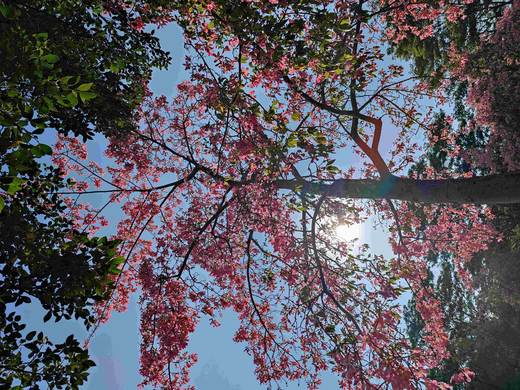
x,y
349,232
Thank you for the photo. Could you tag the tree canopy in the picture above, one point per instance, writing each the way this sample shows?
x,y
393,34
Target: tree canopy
x,y
298,117
72,67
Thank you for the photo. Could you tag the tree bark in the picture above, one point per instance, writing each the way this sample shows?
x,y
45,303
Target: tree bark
x,y
492,189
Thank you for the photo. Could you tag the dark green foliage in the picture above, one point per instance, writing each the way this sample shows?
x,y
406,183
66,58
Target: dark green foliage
x,y
62,365
496,349
431,55
483,325
43,259
514,384
77,68
438,152
72,67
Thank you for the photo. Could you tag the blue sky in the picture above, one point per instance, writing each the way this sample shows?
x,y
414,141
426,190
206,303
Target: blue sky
x,y
223,364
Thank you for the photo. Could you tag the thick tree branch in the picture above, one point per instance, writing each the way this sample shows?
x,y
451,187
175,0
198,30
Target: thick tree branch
x,y
492,189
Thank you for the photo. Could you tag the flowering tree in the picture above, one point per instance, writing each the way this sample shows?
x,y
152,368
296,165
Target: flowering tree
x,y
232,190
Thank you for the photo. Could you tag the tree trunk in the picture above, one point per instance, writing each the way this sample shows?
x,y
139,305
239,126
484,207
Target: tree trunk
x,y
492,189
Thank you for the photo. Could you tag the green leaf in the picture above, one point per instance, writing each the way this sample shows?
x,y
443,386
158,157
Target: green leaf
x,y
15,185
41,36
51,58
114,68
72,98
62,101
332,169
292,142
6,11
114,270
118,260
41,150
65,80
2,204
86,96
47,316
50,103
30,335
85,87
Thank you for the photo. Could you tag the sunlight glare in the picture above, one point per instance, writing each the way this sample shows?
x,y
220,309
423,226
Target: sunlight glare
x,y
348,232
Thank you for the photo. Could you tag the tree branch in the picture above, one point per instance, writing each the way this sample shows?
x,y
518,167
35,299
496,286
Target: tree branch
x,y
492,189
